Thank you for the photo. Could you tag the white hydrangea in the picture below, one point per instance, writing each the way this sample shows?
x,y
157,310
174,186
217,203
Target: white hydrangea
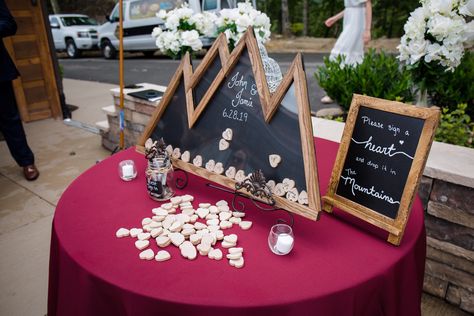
x,y
183,28
234,22
191,39
435,32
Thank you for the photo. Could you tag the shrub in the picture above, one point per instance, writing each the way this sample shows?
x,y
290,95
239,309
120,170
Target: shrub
x,y
452,88
297,28
456,127
379,75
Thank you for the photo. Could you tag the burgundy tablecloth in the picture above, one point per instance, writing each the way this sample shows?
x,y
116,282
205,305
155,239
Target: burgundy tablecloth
x,y
335,268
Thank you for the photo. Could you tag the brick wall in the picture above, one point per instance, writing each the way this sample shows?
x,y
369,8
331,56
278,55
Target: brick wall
x,y
449,221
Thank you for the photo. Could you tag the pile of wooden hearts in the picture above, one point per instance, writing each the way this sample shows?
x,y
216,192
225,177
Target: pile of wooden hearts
x,y
184,230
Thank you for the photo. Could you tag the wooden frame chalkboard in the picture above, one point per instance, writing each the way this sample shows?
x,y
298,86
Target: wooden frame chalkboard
x,y
186,118
380,162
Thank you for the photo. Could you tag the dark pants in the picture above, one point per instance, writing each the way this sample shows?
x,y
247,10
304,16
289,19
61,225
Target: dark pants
x,y
12,128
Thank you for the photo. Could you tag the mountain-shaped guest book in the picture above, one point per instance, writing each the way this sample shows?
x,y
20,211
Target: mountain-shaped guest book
x,y
223,124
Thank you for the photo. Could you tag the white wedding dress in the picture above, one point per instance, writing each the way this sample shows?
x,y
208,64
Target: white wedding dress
x,y
351,43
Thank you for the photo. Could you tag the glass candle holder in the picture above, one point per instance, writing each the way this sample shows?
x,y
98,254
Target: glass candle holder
x,y
281,239
127,170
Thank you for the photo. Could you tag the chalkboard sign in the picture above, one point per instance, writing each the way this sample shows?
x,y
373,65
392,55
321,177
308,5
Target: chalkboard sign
x,y
223,124
380,161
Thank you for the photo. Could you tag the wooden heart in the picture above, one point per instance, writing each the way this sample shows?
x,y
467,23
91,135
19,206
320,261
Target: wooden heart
x,y
239,263
147,254
223,144
234,256
142,244
271,185
186,156
176,153
135,231
223,216
236,250
169,150
210,165
143,236
122,232
245,225
215,254
156,232
188,250
197,161
274,160
163,241
227,134
219,168
202,212
303,197
149,143
204,248
279,190
195,239
176,238
230,172
162,255
292,195
240,176
288,184
232,238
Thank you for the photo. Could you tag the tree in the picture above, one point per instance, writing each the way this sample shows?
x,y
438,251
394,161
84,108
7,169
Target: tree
x,y
55,6
285,19
305,17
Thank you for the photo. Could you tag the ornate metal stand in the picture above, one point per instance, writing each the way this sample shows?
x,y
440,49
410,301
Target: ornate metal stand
x,y
239,205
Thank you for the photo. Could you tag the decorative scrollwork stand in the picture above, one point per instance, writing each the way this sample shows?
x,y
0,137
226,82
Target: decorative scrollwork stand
x,y
259,194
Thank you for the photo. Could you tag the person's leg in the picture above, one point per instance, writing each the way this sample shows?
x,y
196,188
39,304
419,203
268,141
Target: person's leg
x,y
12,130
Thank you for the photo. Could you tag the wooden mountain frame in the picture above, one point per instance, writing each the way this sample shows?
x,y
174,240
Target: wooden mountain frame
x,y
230,92
380,162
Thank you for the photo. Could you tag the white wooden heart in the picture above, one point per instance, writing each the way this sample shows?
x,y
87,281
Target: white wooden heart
x,y
227,134
210,165
162,255
223,144
274,160
219,168
230,172
147,254
186,156
197,161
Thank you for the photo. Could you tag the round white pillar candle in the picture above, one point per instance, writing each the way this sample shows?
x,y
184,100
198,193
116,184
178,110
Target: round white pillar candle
x,y
127,171
284,243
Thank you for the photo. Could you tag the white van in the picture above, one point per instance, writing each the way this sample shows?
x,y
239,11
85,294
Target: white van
x,y
139,20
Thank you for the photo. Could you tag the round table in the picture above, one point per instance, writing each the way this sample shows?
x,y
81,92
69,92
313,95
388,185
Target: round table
x,y
338,266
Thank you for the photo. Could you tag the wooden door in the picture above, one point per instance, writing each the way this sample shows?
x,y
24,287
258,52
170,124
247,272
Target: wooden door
x,y
36,90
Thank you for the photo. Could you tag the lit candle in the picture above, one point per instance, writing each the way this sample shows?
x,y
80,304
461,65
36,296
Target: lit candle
x,y
127,171
284,243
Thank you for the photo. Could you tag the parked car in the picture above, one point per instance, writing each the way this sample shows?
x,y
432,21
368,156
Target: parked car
x,y
139,20
74,33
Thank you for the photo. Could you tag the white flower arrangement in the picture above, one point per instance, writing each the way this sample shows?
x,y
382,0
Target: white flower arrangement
x,y
183,30
234,22
436,32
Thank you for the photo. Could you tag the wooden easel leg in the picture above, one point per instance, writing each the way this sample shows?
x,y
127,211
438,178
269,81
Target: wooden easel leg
x,y
327,207
394,239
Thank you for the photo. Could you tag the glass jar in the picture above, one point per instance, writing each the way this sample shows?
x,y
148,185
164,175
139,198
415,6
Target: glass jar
x,y
159,178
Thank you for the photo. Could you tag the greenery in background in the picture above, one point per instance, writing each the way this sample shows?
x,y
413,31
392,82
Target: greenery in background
x,y
452,88
456,127
379,75
389,16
